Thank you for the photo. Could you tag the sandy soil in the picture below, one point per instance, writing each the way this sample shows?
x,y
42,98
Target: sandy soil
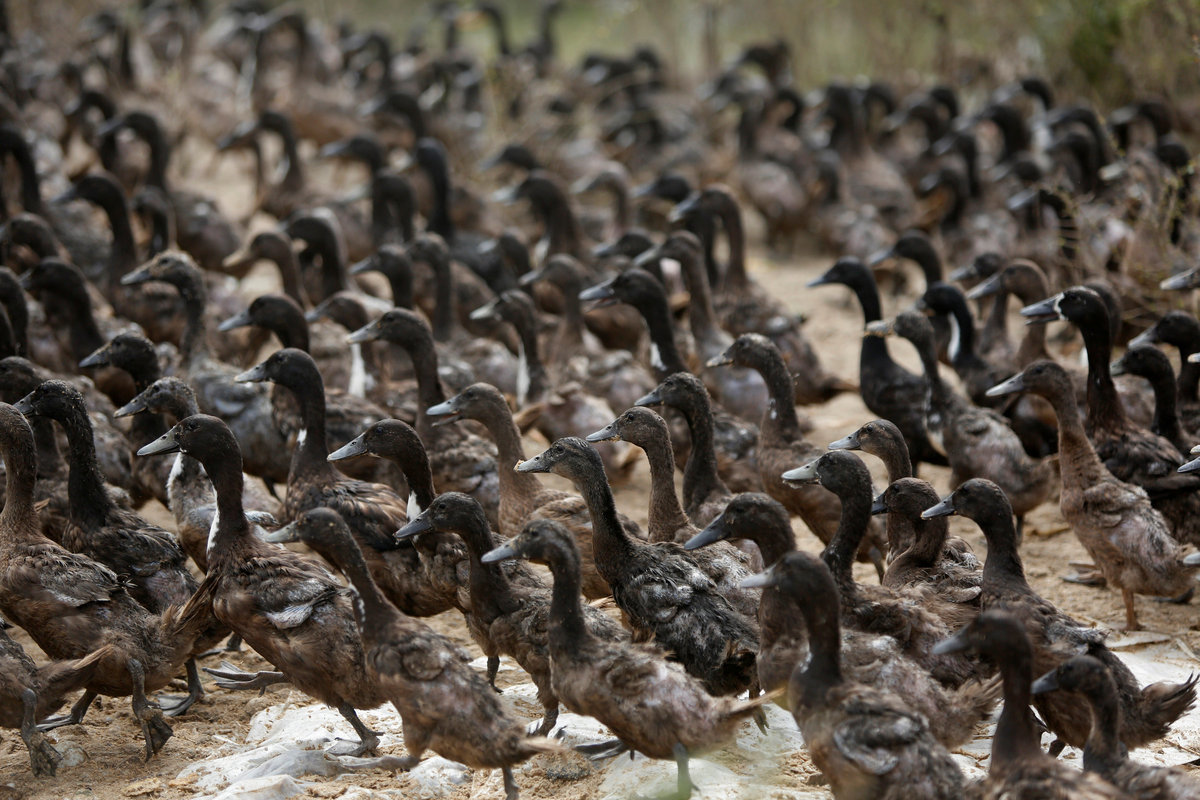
x,y
106,749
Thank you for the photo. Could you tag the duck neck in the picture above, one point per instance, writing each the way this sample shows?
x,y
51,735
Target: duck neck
x,y
896,461
123,254
373,610
160,154
940,395
779,422
874,353
429,385
232,528
293,167
440,221
1003,566
1104,750
561,228
1104,405
700,476
490,589
21,468
666,514
1166,415
929,537
84,333
1016,738
400,281
31,187
444,312
824,670
852,527
962,333
194,294
334,277
532,382
85,484
996,325
610,543
567,628
701,316
49,460
292,331
309,459
289,274
509,452
662,337
570,329
731,221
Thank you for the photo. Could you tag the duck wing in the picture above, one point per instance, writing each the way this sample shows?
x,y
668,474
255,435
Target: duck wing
x,y
874,736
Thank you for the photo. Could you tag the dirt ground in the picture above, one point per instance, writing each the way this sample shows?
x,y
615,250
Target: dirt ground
x,y
106,751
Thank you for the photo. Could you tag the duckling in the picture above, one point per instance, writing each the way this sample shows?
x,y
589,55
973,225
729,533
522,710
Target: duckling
x,y
1148,711
1153,365
373,511
1128,538
151,558
462,461
247,408
29,693
290,609
72,606
661,589
888,389
723,452
883,440
1019,768
653,706
522,498
1104,754
190,496
725,564
913,616
978,442
921,550
781,446
866,740
444,704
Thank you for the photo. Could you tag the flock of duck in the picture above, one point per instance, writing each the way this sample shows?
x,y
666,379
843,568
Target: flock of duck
x,y
421,328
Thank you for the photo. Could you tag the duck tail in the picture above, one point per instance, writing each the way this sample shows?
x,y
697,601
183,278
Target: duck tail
x,y
182,624
739,709
970,704
1163,703
531,746
60,678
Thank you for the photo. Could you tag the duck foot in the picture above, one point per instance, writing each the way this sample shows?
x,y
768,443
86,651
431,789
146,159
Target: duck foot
x,y
388,763
1092,577
602,750
510,784
74,717
181,705
155,729
1181,600
684,785
230,677
43,758
546,724
368,739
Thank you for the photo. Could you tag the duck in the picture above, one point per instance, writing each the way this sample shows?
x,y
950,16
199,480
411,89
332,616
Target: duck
x,y
913,616
29,693
863,738
722,456
462,461
652,705
943,300
921,550
246,408
288,607
781,446
275,247
667,522
1180,330
978,442
889,390
1019,767
882,439
190,497
507,617
523,498
1104,755
373,511
444,704
1148,711
1152,364
148,557
661,590
1128,539
72,606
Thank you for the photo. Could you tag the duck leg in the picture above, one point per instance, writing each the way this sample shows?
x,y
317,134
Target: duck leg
x,y
510,785
230,677
368,739
493,667
684,785
74,717
549,702
416,741
155,729
195,692
1131,620
602,750
43,758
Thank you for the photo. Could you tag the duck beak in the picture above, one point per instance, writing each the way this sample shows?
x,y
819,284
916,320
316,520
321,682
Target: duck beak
x,y
420,524
1184,280
824,280
1011,386
1046,683
846,443
963,274
506,196
288,533
802,475
530,278
135,406
1192,559
722,360
100,358
141,275
682,209
991,286
652,399
880,256
70,195
367,333
599,296
880,328
256,374
1043,311
955,644
501,553
25,405
608,433
163,444
1146,338
446,410
350,449
485,311
237,259
334,149
760,580
315,314
1117,367
241,320
717,530
942,509
878,506
535,464
1022,200
1191,466
366,265
1194,358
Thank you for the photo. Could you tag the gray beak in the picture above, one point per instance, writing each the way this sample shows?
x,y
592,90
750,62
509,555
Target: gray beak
x,y
420,524
942,509
1011,386
135,406
1046,683
241,320
141,275
1042,311
759,580
288,533
991,286
608,433
501,553
255,374
955,644
350,449
802,475
100,358
163,444
367,333
846,443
